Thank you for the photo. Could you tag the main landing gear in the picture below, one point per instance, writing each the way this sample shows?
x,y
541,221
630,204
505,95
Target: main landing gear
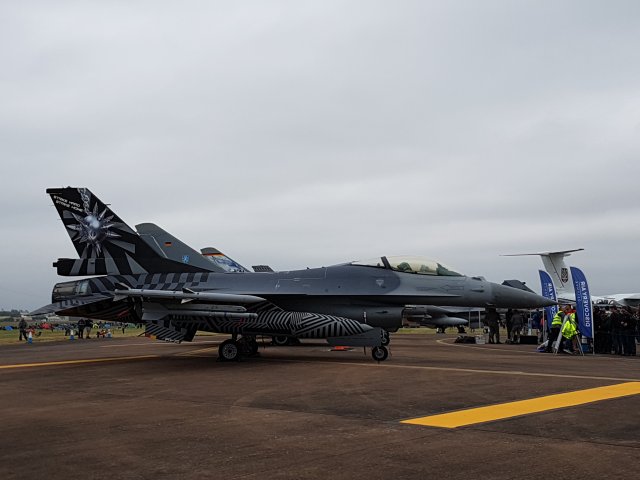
x,y
385,338
232,349
379,354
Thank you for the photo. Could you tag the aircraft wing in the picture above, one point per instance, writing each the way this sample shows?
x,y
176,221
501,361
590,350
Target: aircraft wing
x,y
440,317
625,299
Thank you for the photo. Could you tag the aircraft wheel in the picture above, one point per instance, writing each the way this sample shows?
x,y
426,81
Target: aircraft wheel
x,y
379,354
385,338
229,351
281,340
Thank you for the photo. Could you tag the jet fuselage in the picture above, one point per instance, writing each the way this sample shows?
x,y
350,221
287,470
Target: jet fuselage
x,y
372,295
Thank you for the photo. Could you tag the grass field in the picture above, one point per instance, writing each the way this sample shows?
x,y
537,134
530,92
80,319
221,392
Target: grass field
x,y
8,337
11,337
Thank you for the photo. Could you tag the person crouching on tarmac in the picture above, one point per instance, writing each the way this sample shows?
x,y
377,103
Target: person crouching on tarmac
x,y
556,325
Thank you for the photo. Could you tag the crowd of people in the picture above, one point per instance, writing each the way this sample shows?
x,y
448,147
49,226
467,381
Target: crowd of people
x,y
80,329
515,322
616,328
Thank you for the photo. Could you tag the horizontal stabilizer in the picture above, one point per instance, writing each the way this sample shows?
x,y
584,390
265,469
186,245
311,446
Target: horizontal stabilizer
x,y
58,307
556,252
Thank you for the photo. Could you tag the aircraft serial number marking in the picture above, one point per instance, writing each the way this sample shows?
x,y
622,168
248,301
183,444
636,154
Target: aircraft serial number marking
x,y
525,407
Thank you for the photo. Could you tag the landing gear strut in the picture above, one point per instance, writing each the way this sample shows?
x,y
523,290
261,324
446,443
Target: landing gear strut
x,y
385,338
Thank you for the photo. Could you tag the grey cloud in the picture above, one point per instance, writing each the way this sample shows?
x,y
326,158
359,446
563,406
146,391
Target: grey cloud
x,y
306,133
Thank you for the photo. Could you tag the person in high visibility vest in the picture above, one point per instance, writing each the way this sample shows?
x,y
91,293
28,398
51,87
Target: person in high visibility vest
x,y
570,329
556,325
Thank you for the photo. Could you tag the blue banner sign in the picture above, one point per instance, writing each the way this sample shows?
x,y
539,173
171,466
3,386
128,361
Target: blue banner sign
x,y
548,291
583,303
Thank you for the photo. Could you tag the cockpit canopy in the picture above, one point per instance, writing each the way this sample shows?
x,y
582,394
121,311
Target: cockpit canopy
x,y
410,264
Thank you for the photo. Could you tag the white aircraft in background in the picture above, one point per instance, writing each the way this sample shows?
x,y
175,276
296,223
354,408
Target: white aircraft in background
x,y
561,276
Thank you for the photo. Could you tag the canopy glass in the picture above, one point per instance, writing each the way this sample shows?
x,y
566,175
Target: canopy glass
x,y
411,264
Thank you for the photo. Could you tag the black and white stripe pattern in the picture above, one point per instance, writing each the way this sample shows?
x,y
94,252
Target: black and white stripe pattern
x,y
267,318
272,320
168,331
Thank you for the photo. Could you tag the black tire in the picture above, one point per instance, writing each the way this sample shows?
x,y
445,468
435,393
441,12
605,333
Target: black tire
x,y
281,340
229,351
386,338
379,354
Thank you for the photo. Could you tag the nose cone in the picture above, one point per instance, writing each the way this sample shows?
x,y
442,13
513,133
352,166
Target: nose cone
x,y
510,297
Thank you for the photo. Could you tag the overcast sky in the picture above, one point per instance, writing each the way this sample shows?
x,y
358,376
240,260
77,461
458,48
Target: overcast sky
x,y
308,133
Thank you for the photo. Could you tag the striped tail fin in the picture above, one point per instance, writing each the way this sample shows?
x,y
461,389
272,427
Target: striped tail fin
x,y
105,244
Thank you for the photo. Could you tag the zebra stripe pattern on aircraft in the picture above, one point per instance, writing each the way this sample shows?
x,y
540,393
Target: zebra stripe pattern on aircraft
x,y
270,317
277,321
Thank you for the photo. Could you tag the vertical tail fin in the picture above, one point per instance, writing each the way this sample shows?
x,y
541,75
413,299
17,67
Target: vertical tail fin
x,y
556,267
174,248
105,244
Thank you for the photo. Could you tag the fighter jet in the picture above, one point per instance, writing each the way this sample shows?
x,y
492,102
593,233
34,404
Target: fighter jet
x,y
351,304
430,316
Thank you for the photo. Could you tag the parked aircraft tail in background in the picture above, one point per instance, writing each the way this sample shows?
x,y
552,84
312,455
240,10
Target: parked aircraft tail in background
x,y
560,274
555,266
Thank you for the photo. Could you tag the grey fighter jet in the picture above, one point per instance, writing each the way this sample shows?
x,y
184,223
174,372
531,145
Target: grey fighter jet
x,y
351,304
428,316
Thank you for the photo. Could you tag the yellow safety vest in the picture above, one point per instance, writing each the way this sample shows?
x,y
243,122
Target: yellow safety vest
x,y
557,319
570,329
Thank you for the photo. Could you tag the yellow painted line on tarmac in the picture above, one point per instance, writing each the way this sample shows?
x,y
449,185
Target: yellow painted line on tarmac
x,y
72,362
196,352
502,411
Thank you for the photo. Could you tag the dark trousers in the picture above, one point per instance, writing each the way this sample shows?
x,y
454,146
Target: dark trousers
x,y
23,334
553,336
630,343
618,342
603,342
494,334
